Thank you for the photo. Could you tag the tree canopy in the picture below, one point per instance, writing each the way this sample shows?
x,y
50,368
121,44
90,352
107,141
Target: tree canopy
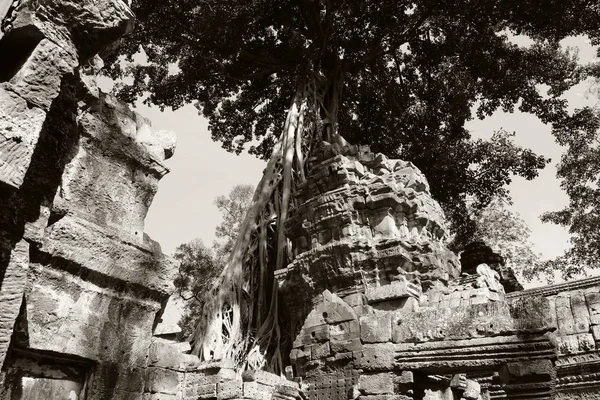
x,y
401,76
233,209
579,171
508,234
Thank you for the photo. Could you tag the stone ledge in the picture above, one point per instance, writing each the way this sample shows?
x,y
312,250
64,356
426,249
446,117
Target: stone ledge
x,y
76,245
557,288
473,353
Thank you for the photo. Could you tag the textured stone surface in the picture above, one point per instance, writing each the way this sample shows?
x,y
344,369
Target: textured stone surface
x,y
376,328
81,286
366,230
69,315
365,223
11,291
376,383
478,253
42,43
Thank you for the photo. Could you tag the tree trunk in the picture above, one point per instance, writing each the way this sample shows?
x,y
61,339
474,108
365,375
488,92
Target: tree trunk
x,y
236,324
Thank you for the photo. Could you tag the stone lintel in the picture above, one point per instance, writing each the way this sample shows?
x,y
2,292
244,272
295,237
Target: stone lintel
x,y
472,353
395,290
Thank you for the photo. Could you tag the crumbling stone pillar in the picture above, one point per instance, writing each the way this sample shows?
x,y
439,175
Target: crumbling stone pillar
x,y
41,45
81,286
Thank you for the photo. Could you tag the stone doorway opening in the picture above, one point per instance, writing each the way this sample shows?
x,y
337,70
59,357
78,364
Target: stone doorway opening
x,y
30,375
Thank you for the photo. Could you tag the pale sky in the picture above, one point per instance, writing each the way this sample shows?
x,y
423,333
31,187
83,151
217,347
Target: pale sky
x,y
183,208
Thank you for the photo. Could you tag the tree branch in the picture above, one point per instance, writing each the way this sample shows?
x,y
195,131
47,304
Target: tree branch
x,y
267,61
397,63
402,39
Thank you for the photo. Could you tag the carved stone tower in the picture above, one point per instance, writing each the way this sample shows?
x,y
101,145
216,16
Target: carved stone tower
x,y
379,306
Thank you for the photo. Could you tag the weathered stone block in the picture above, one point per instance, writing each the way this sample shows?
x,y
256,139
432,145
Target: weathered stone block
x,y
376,357
362,310
455,299
227,374
596,332
160,380
459,381
433,394
552,311
12,287
39,80
207,391
191,393
530,368
456,323
320,350
348,356
270,379
229,389
343,346
376,383
345,330
562,300
392,291
81,242
355,299
315,334
68,315
580,312
376,328
301,354
167,355
586,342
330,310
565,320
132,380
575,343
255,390
406,377
472,391
532,313
593,303
112,178
20,126
200,379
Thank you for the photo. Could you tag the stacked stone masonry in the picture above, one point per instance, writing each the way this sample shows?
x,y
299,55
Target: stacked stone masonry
x,y
388,311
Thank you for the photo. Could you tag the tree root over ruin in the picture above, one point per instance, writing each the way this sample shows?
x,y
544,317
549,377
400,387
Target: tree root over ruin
x,y
241,319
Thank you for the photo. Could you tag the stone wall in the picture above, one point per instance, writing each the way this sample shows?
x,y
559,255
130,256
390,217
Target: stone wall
x,y
574,308
82,288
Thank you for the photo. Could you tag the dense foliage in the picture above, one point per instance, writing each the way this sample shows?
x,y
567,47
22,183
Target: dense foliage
x,y
401,76
200,265
198,268
508,234
579,170
233,209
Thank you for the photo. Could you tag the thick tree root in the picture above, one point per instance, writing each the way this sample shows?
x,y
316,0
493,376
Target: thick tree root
x,y
241,316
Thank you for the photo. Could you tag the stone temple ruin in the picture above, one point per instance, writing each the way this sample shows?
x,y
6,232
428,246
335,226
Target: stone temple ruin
x,y
379,308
